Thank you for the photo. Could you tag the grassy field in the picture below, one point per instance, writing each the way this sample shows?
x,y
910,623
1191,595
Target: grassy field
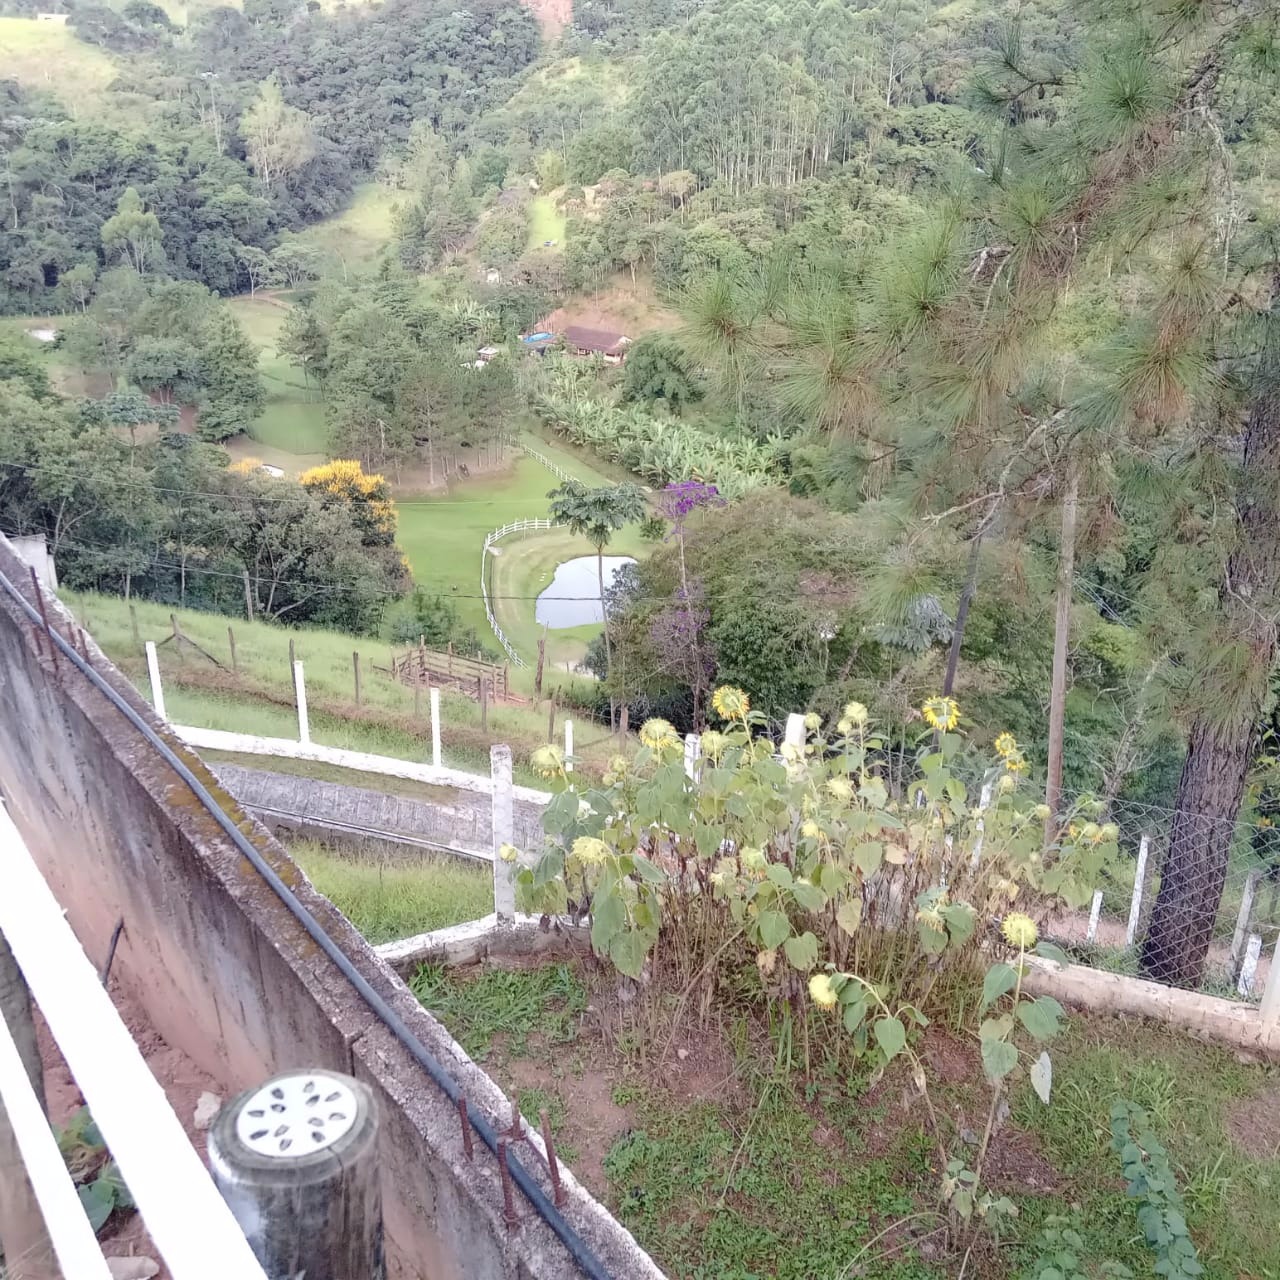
x,y
727,1161
546,222
388,901
48,55
293,421
355,238
443,535
259,698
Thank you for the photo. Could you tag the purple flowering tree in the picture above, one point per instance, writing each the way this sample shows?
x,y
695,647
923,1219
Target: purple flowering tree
x,y
679,630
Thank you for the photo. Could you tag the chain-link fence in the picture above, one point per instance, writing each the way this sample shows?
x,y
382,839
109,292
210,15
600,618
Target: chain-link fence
x,y
1194,903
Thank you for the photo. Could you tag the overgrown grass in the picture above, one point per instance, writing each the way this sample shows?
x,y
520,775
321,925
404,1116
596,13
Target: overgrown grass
x,y
260,699
741,1169
508,1003
387,901
49,56
546,222
355,238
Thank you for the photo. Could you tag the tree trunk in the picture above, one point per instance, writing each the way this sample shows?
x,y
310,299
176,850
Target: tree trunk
x,y
967,593
604,618
1195,868
1061,635
1224,732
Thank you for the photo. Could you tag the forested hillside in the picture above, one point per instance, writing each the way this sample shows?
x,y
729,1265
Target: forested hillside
x,y
951,363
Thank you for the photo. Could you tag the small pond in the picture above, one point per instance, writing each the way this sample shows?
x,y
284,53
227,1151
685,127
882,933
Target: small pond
x,y
573,598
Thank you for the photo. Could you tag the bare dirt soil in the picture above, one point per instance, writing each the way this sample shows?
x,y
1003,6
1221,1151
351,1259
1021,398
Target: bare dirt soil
x,y
552,15
125,1235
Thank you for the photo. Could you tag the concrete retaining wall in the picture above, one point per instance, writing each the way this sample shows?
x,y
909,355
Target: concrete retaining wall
x,y
224,971
451,819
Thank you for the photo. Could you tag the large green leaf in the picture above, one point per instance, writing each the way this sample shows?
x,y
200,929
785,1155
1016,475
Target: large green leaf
x,y
801,951
1001,978
608,919
1042,1082
774,927
98,1198
849,916
809,896
628,950
999,1057
891,1036
1041,1017
868,857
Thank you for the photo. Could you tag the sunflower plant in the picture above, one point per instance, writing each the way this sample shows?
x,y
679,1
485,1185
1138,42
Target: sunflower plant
x,y
803,858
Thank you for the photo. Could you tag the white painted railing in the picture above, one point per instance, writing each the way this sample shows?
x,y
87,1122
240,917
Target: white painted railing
x,y
188,1221
556,470
516,526
365,762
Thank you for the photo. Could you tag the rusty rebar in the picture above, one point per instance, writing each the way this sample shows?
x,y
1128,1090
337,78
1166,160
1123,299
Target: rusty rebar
x,y
466,1129
553,1165
44,617
516,1129
508,1195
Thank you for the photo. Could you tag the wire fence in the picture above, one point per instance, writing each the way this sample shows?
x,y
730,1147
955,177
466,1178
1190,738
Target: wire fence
x,y
1193,903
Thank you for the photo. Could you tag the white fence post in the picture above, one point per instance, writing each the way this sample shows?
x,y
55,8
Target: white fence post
x,y
984,803
1139,878
435,726
504,873
1095,913
794,733
157,689
300,694
568,746
1242,920
1249,966
1270,1011
692,754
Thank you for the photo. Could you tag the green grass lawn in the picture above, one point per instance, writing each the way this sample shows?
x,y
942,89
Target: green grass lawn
x,y
259,700
546,222
389,900
48,55
293,420
728,1161
355,238
442,537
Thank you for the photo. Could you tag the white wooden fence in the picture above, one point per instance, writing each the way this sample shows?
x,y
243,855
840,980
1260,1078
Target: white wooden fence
x,y
516,526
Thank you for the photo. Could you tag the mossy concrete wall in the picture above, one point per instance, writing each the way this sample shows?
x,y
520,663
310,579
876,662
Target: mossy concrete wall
x,y
227,974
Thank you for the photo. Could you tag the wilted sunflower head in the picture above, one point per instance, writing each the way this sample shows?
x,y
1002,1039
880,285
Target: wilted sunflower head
x,y
590,851
714,744
730,703
547,762
1019,930
659,734
822,991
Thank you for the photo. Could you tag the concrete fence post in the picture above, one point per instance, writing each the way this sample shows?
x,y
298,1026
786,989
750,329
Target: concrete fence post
x,y
435,726
300,694
1249,965
568,746
1139,883
1270,1011
1251,882
296,1162
692,754
980,827
153,672
504,873
794,734
1095,914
